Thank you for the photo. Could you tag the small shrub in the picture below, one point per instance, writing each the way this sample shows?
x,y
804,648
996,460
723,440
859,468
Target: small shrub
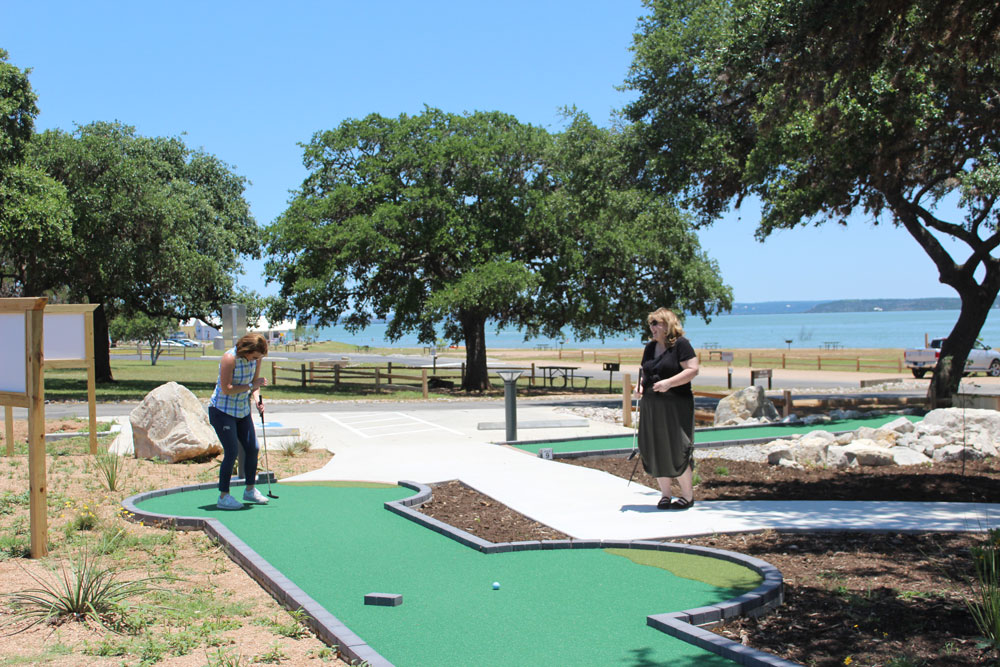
x,y
224,658
296,447
88,591
110,469
84,519
985,605
721,471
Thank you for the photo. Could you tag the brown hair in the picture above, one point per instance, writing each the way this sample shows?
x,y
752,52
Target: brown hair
x,y
252,342
674,328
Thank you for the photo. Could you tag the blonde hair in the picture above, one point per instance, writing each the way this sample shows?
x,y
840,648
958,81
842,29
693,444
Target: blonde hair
x,y
252,342
674,328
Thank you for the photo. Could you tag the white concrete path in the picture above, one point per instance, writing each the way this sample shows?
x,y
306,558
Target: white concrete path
x,y
435,446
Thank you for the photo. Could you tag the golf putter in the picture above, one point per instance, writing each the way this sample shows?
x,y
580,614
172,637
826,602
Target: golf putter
x,y
267,464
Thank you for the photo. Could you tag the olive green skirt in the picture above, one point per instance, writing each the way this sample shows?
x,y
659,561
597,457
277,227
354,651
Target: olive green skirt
x,y
666,434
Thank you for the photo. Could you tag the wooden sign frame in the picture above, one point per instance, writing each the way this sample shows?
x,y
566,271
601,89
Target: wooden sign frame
x,y
70,344
30,394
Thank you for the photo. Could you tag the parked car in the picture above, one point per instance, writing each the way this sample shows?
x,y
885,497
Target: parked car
x,y
982,359
171,343
187,342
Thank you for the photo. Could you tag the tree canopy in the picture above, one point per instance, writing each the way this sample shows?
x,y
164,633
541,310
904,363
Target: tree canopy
x,y
822,110
155,227
457,221
34,212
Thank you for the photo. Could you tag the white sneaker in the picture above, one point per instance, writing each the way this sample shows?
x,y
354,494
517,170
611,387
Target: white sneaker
x,y
227,502
254,496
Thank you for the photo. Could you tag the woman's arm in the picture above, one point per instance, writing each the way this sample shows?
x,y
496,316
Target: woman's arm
x,y
689,370
226,368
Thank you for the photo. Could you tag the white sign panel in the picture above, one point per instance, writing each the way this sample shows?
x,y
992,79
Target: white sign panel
x,y
13,370
65,336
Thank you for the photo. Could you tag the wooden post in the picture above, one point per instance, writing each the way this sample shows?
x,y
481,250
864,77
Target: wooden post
x,y
303,371
859,364
274,374
750,363
627,400
423,381
336,375
782,359
8,427
788,403
532,378
819,362
388,373
581,355
376,380
312,371
38,489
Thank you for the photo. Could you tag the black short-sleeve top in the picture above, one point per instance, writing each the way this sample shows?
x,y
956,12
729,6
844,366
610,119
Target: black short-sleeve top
x,y
668,364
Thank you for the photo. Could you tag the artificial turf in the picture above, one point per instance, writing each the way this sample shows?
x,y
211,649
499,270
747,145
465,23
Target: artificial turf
x,y
713,436
566,606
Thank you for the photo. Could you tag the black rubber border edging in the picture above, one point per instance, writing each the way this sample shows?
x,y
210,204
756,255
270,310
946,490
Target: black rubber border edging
x,y
684,625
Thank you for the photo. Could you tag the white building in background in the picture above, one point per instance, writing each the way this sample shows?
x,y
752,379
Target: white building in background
x,y
198,330
277,333
280,332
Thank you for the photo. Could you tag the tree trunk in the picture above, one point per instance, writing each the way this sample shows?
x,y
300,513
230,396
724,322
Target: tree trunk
x,y
102,352
474,329
955,349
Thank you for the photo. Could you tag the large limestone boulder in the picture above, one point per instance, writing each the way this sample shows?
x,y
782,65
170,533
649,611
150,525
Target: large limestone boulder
x,y
903,456
745,404
171,425
869,453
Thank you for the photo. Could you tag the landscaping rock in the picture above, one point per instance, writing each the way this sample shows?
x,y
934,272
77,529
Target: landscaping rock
x,y
171,425
740,406
957,453
903,456
868,453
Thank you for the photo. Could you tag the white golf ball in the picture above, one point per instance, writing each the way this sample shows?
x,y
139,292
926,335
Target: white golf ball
x,y
496,585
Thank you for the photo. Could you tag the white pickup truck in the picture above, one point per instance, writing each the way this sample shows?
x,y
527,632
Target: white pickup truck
x,y
982,359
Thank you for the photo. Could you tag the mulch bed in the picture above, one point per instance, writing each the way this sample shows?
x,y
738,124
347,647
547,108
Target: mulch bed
x,y
860,599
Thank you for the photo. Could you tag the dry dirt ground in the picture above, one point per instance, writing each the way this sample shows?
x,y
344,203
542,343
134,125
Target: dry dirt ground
x,y
208,611
859,599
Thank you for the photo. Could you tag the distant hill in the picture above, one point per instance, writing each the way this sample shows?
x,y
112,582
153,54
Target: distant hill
x,y
774,307
868,305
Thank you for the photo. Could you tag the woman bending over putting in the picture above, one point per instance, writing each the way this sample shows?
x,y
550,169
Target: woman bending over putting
x,y
229,413
666,411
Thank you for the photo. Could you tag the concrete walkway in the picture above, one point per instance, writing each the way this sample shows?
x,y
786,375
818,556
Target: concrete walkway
x,y
583,503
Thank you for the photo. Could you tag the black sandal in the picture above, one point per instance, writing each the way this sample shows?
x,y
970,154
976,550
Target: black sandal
x,y
681,504
664,503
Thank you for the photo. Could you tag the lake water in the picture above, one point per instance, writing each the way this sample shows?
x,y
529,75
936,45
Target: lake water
x,y
868,329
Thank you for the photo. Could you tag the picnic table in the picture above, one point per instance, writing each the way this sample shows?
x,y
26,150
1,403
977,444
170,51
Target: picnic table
x,y
551,373
832,345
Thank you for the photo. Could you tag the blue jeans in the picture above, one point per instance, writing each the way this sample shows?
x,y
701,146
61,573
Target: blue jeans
x,y
233,433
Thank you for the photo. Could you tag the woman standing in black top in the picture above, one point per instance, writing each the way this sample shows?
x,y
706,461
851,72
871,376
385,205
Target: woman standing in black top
x,y
666,411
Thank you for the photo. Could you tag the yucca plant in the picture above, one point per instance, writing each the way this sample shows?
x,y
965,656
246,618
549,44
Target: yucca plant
x,y
110,468
86,591
985,605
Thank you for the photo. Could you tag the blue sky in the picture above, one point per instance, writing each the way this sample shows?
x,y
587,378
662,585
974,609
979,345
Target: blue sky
x,y
247,81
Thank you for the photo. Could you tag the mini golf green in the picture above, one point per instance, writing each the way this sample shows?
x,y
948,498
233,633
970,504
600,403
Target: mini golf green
x,y
713,436
337,542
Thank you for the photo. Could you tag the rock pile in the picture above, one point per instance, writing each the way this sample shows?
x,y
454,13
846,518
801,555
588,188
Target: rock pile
x,y
946,434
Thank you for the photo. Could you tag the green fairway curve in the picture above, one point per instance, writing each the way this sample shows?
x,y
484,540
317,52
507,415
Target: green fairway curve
x,y
712,436
582,606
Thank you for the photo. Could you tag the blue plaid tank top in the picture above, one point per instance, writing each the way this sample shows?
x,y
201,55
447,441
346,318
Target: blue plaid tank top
x,y
237,405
